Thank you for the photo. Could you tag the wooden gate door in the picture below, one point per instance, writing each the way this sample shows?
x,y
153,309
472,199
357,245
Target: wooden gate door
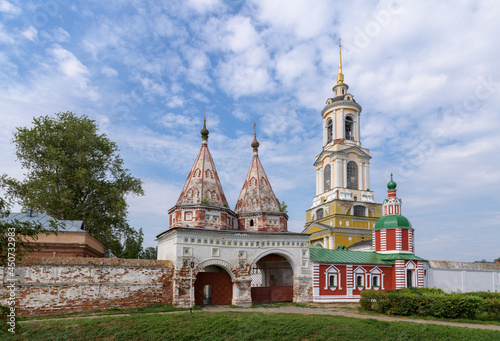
x,y
221,288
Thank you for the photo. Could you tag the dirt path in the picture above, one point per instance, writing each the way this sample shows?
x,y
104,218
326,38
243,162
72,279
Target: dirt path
x,y
343,312
332,310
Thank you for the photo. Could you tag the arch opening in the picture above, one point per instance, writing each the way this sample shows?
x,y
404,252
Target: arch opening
x,y
272,280
213,286
349,128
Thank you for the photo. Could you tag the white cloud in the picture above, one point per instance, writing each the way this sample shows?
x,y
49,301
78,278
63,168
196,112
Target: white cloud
x,y
67,62
4,36
300,17
7,7
108,71
203,6
30,33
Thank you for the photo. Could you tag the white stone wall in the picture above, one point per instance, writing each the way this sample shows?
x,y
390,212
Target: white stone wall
x,y
464,277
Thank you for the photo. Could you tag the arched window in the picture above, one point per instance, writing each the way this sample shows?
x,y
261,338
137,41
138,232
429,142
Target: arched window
x,y
349,128
319,213
329,130
359,211
352,175
327,176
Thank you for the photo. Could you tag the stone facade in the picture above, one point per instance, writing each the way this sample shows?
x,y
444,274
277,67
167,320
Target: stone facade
x,y
237,253
64,284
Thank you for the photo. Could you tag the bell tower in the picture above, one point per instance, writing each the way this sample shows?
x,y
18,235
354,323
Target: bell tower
x,y
343,210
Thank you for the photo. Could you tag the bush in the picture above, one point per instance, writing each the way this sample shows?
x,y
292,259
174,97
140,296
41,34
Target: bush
x,y
493,309
426,302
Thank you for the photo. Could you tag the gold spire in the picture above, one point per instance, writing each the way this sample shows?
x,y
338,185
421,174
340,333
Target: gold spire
x,y
340,76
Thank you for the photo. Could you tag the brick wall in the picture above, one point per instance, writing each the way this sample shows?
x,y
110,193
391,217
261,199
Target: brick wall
x,y
63,284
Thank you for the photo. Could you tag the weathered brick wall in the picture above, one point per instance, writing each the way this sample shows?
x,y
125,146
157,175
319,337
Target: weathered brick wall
x,y
62,284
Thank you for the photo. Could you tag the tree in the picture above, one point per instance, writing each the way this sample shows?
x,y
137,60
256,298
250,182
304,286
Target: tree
x,y
74,173
16,237
283,207
149,253
133,245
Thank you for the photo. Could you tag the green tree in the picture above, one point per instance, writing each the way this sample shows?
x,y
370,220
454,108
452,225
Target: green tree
x,y
132,247
73,172
149,253
16,237
284,207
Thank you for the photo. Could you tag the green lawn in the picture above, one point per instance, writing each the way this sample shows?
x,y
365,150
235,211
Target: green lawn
x,y
242,326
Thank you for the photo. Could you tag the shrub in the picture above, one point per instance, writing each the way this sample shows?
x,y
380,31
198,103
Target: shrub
x,y
427,302
493,309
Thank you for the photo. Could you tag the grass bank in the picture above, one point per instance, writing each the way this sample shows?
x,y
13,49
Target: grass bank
x,y
242,326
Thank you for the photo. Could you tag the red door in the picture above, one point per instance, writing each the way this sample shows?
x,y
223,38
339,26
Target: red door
x,y
221,288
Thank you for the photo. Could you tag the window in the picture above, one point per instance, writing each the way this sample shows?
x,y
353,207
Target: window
x,y
329,130
349,128
352,175
319,214
327,175
251,222
360,277
332,280
359,280
376,281
359,211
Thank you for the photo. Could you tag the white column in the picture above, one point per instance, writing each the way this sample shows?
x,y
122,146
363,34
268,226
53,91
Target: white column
x,y
358,130
330,242
339,172
362,176
324,132
321,186
333,174
334,133
317,181
344,171
367,175
325,242
342,124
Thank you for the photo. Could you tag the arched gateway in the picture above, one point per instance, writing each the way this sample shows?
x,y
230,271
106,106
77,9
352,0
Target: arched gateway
x,y
233,257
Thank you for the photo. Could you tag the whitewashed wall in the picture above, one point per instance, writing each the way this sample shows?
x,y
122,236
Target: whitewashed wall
x,y
464,277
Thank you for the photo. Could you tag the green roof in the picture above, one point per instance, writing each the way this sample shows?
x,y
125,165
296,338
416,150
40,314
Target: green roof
x,y
398,256
319,254
392,221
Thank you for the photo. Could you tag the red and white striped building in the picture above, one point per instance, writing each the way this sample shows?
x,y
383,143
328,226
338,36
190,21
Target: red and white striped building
x,y
341,275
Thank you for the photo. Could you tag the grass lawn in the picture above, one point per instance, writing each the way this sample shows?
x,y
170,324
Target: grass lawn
x,y
241,326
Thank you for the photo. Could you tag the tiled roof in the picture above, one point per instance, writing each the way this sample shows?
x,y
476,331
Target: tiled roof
x,y
319,254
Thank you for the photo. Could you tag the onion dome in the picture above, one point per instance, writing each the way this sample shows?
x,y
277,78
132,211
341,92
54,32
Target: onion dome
x,y
204,131
255,144
391,185
392,222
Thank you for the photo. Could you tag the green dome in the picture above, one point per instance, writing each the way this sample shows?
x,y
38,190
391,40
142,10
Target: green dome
x,y
391,185
392,222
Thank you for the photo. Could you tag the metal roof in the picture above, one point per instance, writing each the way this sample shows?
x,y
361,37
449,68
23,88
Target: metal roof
x,y
45,220
319,254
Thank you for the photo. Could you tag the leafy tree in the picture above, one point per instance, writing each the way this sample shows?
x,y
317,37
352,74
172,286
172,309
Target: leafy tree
x,y
16,237
133,245
284,207
149,253
74,173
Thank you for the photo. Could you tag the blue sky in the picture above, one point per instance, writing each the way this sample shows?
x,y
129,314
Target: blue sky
x,y
426,73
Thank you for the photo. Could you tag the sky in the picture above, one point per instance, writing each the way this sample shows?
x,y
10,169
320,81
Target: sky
x,y
426,73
